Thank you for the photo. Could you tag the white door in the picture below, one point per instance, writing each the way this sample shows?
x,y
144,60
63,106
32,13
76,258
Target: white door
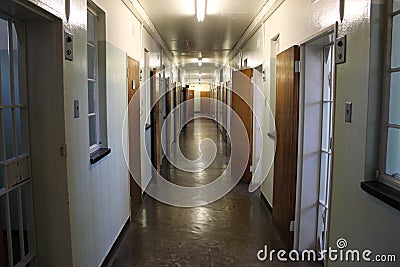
x,y
315,138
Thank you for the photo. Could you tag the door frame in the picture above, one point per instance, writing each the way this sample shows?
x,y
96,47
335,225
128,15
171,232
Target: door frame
x,y
134,201
331,30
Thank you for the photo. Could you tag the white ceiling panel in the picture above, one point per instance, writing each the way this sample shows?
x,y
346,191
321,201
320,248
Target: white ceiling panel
x,y
224,24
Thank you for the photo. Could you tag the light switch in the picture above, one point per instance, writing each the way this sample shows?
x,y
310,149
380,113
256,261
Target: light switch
x,y
76,108
348,112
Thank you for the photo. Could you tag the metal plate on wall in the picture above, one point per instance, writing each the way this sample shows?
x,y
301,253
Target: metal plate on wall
x,y
341,50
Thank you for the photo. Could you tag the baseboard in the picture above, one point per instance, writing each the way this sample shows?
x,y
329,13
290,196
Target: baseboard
x,y
117,241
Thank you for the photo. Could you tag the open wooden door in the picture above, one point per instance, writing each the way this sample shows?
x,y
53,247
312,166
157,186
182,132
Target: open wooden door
x,y
134,134
286,119
190,106
242,93
156,119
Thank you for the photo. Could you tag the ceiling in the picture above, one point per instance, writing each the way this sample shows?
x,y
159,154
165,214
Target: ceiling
x,y
212,39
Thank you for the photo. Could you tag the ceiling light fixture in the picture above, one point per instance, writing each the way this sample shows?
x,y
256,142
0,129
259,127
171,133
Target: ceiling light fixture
x,y
201,9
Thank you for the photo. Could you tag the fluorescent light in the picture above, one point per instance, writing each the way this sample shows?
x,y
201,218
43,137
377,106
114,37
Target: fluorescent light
x,y
201,9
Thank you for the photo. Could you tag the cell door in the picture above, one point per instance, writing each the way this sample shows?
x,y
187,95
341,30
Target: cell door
x,y
315,139
286,120
190,105
327,114
134,134
242,97
17,241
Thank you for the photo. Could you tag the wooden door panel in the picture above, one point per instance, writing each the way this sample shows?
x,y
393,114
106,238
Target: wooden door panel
x,y
156,119
242,93
190,104
134,134
286,119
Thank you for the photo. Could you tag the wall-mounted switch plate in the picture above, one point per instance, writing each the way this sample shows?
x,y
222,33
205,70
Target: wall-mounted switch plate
x,y
348,112
69,46
341,50
76,108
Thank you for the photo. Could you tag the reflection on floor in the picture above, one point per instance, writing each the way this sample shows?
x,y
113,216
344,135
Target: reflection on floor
x,y
228,232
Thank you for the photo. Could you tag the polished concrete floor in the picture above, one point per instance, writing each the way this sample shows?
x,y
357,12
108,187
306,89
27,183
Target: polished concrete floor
x,y
228,232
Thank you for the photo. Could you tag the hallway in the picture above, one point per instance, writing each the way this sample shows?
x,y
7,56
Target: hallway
x,y
96,169
228,232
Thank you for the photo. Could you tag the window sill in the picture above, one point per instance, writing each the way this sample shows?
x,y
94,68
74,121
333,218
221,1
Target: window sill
x,y
100,153
383,192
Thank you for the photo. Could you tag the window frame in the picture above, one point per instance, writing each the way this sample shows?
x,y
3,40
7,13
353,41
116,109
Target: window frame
x,y
385,125
97,144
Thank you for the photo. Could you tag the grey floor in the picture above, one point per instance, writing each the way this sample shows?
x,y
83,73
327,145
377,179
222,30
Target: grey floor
x,y
228,232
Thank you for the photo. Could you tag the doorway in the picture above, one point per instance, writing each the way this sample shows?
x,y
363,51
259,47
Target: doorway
x,y
316,114
134,134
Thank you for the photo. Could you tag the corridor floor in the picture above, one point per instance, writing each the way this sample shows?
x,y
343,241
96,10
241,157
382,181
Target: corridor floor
x,y
228,232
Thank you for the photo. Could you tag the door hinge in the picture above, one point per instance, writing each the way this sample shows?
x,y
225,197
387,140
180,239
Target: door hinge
x,y
63,150
292,226
297,66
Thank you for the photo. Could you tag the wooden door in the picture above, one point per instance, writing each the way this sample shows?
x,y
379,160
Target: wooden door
x,y
168,109
156,119
134,135
177,117
184,110
190,105
285,165
224,111
242,93
205,102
